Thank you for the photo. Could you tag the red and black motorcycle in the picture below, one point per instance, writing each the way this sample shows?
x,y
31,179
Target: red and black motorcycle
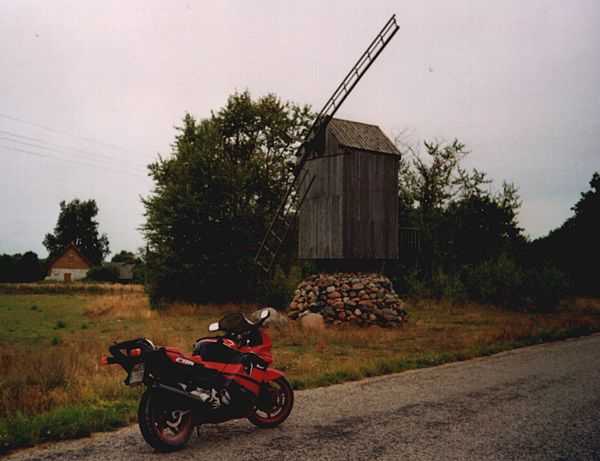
x,y
226,377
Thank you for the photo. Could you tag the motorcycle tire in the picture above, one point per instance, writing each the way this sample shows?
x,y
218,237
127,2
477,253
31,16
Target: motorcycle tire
x,y
154,412
282,396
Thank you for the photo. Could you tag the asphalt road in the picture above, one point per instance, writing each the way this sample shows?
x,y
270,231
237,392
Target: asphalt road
x,y
538,403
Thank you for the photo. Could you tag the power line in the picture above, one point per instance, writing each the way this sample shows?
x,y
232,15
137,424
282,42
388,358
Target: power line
x,y
95,161
43,144
64,133
82,162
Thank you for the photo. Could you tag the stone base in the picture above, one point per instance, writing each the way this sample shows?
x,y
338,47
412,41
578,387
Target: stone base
x,y
359,298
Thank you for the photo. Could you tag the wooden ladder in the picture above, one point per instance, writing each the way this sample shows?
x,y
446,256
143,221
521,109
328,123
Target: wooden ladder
x,y
284,218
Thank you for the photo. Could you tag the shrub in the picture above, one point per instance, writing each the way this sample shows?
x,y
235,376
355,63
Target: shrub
x,y
104,273
279,291
546,287
499,281
448,286
411,283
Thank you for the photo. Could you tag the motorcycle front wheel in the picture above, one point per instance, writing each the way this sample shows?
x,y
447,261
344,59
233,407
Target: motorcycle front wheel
x,y
164,426
276,405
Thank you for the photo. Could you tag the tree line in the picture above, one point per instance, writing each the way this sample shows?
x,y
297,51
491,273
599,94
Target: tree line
x,y
219,188
216,193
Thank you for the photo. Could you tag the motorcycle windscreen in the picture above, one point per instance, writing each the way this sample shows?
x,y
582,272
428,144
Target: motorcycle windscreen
x,y
234,323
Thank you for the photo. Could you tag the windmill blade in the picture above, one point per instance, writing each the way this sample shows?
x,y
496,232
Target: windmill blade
x,y
344,89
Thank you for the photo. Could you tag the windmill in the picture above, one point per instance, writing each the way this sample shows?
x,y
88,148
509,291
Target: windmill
x,y
307,172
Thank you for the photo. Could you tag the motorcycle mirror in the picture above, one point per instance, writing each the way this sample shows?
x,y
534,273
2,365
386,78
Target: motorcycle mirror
x,y
264,314
213,326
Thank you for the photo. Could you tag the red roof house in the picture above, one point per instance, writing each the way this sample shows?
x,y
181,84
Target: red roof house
x,y
70,265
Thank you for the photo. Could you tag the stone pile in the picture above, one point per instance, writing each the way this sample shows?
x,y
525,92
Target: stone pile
x,y
359,298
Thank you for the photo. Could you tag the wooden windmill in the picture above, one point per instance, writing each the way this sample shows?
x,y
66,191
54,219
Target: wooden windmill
x,y
346,178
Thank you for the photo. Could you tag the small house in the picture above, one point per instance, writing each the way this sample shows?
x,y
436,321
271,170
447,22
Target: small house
x,y
125,271
69,266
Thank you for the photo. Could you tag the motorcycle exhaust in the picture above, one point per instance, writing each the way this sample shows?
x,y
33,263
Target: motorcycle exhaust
x,y
164,387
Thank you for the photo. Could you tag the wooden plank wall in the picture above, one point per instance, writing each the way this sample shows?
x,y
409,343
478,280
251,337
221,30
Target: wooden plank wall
x,y
320,218
351,211
370,206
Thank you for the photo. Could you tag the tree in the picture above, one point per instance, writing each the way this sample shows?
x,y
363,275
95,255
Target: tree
x,y
21,267
126,257
214,196
460,220
76,224
573,247
481,226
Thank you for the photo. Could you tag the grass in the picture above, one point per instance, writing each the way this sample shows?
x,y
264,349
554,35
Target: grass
x,y
51,386
69,288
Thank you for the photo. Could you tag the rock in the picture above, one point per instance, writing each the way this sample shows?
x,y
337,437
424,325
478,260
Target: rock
x,y
363,299
366,304
314,307
312,322
276,319
328,311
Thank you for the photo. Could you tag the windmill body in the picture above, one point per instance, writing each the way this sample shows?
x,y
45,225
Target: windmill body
x,y
351,210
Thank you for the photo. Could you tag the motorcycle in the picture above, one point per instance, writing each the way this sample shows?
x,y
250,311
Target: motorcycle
x,y
226,377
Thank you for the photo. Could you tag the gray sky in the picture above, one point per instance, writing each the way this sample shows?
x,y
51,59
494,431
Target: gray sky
x,y
102,84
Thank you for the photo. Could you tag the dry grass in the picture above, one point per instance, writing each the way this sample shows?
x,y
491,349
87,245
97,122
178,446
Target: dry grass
x,y
587,304
69,288
45,377
120,306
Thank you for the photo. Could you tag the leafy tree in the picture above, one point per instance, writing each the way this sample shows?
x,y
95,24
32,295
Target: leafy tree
x,y
481,226
21,267
573,247
460,220
76,224
126,257
214,196
103,273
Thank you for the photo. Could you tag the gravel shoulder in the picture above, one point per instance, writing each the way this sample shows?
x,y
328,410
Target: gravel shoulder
x,y
540,402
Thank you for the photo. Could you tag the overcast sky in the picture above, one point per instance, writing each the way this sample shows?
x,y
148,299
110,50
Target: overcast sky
x,y
90,92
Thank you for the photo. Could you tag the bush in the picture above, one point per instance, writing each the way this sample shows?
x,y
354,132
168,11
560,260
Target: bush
x,y
546,287
409,282
279,291
105,273
499,281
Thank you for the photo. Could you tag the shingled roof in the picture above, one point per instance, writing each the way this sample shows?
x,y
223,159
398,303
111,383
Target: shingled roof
x,y
362,136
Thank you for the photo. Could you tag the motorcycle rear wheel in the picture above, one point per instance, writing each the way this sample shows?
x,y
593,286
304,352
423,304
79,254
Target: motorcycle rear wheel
x,y
282,396
164,426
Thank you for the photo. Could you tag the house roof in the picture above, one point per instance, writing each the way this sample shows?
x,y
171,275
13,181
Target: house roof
x,y
65,250
362,136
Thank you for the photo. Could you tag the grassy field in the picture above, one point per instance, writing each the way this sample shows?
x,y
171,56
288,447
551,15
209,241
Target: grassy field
x,y
52,387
